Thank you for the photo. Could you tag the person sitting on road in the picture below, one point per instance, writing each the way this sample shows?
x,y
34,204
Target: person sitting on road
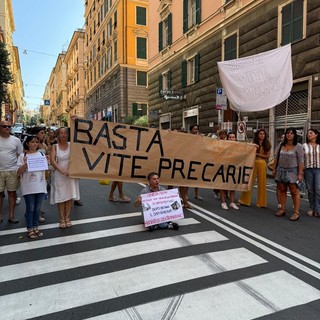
x,y
154,186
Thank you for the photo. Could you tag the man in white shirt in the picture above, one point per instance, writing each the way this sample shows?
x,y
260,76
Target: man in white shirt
x,y
10,148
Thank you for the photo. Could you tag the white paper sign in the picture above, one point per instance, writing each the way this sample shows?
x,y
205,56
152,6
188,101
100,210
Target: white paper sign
x,y
37,163
162,206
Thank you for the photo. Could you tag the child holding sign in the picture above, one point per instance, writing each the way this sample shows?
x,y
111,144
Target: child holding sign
x,y
33,184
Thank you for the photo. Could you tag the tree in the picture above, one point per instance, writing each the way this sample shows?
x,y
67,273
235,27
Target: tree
x,y
5,74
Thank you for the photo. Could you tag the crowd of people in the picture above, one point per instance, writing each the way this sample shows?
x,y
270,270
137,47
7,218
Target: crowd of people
x,y
293,164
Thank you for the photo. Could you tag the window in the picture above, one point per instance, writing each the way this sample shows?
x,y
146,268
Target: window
x,y
141,16
164,82
139,109
230,47
191,14
141,78
190,70
115,50
141,48
109,58
109,28
292,22
115,17
165,32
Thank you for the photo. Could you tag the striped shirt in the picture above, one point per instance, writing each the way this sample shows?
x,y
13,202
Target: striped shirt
x,y
311,156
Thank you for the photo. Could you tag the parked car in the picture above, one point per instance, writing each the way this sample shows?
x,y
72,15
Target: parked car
x,y
17,129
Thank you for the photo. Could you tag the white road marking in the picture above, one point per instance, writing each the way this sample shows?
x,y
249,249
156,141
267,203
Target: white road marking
x,y
58,297
74,222
33,268
242,300
81,237
258,244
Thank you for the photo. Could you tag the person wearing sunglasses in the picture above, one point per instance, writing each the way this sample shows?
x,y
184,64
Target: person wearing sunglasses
x,y
10,149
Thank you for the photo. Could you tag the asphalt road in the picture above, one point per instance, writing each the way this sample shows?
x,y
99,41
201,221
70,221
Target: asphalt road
x,y
220,264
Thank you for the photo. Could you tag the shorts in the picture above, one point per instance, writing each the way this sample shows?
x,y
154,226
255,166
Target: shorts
x,y
8,180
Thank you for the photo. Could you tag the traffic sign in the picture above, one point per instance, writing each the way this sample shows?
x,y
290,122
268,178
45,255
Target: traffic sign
x,y
221,99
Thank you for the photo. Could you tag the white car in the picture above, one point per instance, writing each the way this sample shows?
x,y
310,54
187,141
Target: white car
x,y
17,129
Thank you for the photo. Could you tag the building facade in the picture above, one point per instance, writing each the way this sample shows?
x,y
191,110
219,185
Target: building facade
x,y
13,108
189,37
75,83
116,57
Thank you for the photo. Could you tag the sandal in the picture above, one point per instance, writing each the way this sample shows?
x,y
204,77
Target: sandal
x,y
295,216
32,235
62,224
68,223
38,233
280,213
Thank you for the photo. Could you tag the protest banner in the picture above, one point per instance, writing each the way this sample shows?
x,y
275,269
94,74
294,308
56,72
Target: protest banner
x,y
37,163
258,82
161,206
122,152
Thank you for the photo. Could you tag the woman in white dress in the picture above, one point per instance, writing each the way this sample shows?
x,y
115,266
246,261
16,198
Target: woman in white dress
x,y
64,190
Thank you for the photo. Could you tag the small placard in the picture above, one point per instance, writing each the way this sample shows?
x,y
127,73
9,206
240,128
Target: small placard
x,y
37,163
162,206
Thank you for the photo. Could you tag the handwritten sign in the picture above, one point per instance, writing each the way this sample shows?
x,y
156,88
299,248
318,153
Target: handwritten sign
x,y
162,206
122,152
37,163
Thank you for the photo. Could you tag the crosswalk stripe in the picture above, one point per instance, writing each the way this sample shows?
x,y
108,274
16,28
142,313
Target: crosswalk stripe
x,y
76,293
74,222
258,244
33,268
81,237
251,298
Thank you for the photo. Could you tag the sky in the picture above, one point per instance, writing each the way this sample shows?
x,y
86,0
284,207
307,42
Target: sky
x,y
43,29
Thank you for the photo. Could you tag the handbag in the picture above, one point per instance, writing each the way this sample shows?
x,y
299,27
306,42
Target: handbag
x,y
271,164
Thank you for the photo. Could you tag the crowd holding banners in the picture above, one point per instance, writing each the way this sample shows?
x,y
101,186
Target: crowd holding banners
x,y
124,152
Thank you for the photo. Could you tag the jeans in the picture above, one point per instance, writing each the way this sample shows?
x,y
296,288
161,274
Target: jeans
x,y
33,206
312,177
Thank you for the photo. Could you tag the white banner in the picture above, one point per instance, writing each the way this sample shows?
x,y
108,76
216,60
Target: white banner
x,y
258,82
162,206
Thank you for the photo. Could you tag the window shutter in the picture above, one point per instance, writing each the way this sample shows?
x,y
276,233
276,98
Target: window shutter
x,y
198,11
286,24
184,65
169,79
197,68
160,85
134,109
160,36
185,16
144,109
170,29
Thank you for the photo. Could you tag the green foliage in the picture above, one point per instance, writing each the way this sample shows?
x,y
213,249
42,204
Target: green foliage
x,y
5,74
129,119
142,121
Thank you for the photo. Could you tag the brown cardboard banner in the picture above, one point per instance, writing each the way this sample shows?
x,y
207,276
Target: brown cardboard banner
x,y
122,152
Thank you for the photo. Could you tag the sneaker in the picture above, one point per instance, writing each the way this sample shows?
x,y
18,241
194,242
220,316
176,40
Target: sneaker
x,y
224,206
18,200
234,206
173,225
42,219
152,228
124,199
113,198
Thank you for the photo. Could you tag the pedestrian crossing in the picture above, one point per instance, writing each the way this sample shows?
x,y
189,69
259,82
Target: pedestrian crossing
x,y
160,275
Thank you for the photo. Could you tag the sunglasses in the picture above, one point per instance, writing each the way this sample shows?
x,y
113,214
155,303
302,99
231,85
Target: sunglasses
x,y
4,126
